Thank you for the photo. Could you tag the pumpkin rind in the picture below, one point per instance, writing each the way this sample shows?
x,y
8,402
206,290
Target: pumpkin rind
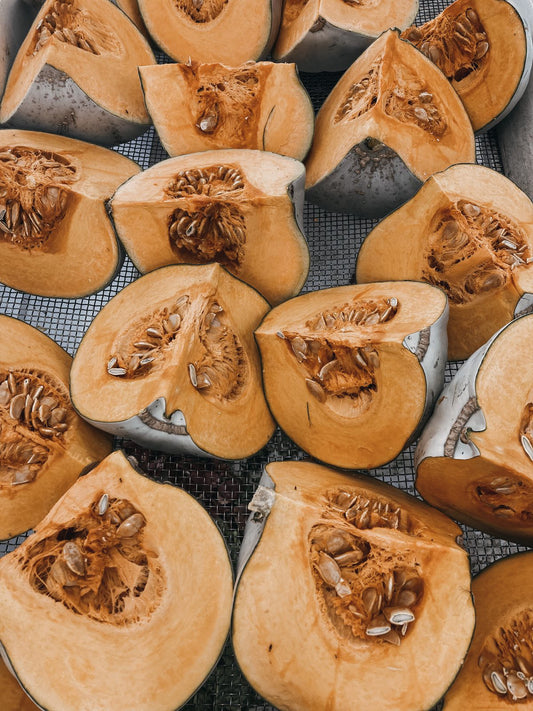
x,y
85,87
469,230
152,653
353,394
38,461
391,121
201,378
245,209
57,238
474,459
232,32
485,48
301,644
15,20
502,634
198,107
328,35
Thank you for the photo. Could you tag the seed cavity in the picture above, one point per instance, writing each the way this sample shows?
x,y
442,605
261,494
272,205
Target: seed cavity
x,y
361,96
97,564
201,11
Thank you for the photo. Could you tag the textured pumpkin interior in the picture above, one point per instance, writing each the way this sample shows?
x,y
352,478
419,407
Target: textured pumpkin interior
x,y
469,231
498,668
91,42
493,491
183,333
394,96
210,31
44,445
119,556
368,577
55,236
368,17
229,206
480,45
197,107
337,376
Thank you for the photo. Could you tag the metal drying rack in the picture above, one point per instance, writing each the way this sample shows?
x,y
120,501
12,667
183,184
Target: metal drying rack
x,y
223,487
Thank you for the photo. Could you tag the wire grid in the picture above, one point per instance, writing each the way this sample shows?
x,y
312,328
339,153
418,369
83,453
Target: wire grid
x,y
225,488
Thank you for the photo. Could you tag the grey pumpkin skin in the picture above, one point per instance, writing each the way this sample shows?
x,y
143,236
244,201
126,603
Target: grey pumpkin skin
x,y
15,21
55,102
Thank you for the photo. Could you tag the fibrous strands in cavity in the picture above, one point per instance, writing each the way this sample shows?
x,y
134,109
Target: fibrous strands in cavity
x,y
412,102
473,249
457,44
35,188
97,564
67,23
201,11
367,594
360,97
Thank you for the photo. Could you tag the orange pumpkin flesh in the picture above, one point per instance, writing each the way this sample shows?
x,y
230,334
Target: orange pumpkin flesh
x,y
12,694
57,239
351,372
307,605
176,364
44,445
498,668
238,207
391,121
197,107
475,457
119,562
469,230
484,48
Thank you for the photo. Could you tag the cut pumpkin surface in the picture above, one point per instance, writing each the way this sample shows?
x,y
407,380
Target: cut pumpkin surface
x,y
241,208
390,122
350,373
44,444
469,231
107,568
498,669
474,459
485,49
76,74
328,35
197,107
344,581
175,364
228,31
56,238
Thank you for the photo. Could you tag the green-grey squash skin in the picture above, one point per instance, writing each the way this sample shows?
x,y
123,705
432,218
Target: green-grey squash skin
x,y
16,18
370,181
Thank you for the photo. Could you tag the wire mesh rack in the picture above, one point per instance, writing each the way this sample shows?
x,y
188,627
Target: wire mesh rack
x,y
223,487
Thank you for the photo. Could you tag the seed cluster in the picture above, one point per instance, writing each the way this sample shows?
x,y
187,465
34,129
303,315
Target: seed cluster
x,y
411,102
34,193
212,181
216,231
374,597
144,343
97,565
67,23
507,496
201,11
457,45
473,249
506,661
361,96
526,430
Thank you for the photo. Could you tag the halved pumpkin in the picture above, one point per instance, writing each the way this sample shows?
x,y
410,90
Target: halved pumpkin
x,y
356,597
171,362
469,231
474,459
498,669
228,31
241,208
389,123
56,238
198,107
120,599
44,445
351,373
328,35
485,49
76,74
12,694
